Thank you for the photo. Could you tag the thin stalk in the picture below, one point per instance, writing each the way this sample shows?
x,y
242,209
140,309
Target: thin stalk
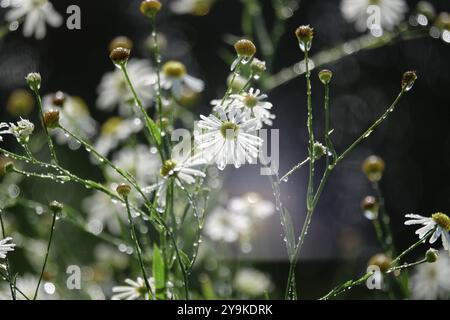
x,y
14,286
295,168
309,124
49,139
411,248
328,142
52,229
137,248
150,124
157,63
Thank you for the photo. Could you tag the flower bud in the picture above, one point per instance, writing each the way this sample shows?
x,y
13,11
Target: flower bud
x,y
174,69
408,80
431,255
119,56
305,35
56,207
381,261
150,8
245,48
34,81
59,98
8,167
120,42
373,167
20,103
51,119
325,76
319,150
258,67
123,190
370,207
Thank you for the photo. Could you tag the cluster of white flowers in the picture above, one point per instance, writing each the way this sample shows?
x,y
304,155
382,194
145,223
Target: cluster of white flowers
x,y
35,14
22,130
252,282
135,290
237,221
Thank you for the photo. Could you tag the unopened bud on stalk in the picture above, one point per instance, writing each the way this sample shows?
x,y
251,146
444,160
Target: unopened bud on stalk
x,y
150,8
381,261
258,67
325,76
370,207
431,255
34,81
408,80
56,207
51,119
119,56
59,98
245,48
305,35
123,190
120,42
373,167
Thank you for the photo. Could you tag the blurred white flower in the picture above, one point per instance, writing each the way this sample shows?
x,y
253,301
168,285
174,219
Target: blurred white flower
x,y
194,7
253,106
440,222
227,226
102,211
21,131
75,117
114,91
134,290
252,282
139,161
174,77
252,205
228,138
432,280
114,131
180,167
6,247
389,13
36,14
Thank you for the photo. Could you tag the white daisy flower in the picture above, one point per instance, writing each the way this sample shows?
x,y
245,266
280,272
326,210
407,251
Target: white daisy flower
x,y
252,205
431,281
113,90
252,282
227,226
227,138
74,116
134,290
174,77
21,131
138,161
114,131
36,14
253,106
439,222
6,247
364,13
194,7
181,167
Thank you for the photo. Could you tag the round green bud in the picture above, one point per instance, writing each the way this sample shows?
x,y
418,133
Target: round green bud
x,y
431,255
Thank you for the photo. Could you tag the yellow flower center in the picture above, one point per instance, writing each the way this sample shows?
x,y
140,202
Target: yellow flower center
x,y
174,69
229,130
111,125
442,220
167,168
250,101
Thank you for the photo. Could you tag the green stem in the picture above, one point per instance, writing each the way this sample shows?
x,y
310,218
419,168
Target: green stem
x,y
295,168
309,124
411,248
157,63
137,248
49,139
14,286
47,253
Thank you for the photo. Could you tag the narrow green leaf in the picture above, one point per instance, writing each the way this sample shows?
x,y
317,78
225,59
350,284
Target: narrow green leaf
x,y
159,273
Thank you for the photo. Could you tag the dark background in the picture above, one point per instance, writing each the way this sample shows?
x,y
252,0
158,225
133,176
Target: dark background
x,y
414,141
